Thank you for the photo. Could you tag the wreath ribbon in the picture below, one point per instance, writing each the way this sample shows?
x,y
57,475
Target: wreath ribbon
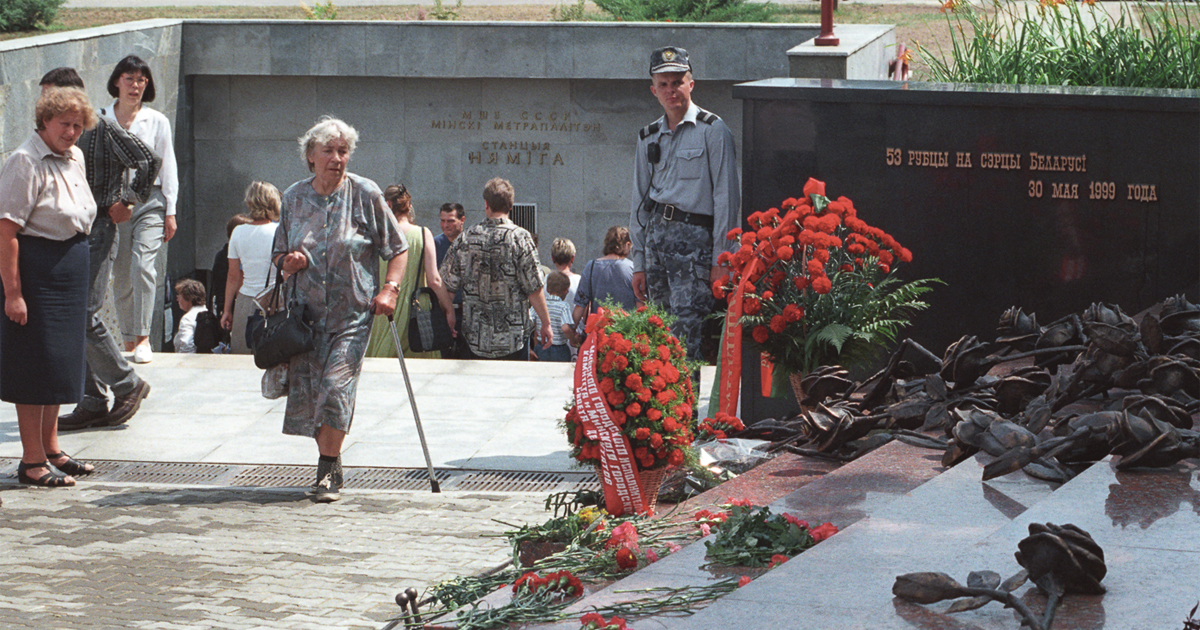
x,y
618,471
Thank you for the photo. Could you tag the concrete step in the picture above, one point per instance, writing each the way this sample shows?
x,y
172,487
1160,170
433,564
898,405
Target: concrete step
x,y
1147,522
843,497
845,582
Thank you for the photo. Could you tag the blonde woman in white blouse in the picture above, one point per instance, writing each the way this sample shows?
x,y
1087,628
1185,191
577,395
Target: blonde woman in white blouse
x,y
135,275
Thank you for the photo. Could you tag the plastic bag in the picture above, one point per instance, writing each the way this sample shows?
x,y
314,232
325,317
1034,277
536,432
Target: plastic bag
x,y
733,454
275,381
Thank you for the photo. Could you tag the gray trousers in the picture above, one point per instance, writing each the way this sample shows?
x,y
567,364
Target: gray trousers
x,y
106,368
135,271
678,264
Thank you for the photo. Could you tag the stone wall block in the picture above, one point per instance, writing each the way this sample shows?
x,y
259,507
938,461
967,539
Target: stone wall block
x,y
291,48
272,107
375,108
211,114
382,51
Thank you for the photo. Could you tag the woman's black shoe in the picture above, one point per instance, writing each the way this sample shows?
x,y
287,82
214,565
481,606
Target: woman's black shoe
x,y
72,466
48,480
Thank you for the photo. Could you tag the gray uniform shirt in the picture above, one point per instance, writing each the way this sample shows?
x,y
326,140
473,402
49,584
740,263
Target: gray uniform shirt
x,y
697,172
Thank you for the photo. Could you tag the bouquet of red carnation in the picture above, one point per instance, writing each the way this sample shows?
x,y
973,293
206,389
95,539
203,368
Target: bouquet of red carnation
x,y
718,427
562,583
646,381
818,284
596,621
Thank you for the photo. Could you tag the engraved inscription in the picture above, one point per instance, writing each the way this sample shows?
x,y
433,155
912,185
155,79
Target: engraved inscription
x,y
524,150
1031,161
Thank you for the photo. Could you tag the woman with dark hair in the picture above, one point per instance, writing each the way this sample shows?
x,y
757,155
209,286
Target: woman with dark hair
x,y
46,212
135,275
423,272
608,278
334,229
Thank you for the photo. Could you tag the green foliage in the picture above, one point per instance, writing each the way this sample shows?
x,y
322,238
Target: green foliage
x,y
26,15
688,10
1070,44
750,536
320,11
569,13
441,12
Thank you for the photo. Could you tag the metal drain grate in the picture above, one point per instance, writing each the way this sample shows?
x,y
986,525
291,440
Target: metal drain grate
x,y
273,476
495,481
167,473
396,479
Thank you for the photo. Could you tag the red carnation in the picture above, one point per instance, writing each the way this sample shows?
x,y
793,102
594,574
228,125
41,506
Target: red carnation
x,y
778,324
633,409
642,433
822,285
633,381
626,558
761,334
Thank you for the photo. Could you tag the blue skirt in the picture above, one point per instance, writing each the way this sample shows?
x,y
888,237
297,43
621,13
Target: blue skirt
x,y
43,362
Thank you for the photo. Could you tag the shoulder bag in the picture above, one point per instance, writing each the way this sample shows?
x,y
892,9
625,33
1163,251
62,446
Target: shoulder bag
x,y
284,333
428,330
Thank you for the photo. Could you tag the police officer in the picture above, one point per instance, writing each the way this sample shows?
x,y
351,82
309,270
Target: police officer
x,y
686,198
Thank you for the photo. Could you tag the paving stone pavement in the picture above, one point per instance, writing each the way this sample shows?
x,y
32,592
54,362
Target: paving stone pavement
x,y
156,557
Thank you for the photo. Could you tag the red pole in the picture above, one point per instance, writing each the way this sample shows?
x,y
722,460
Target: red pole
x,y
826,37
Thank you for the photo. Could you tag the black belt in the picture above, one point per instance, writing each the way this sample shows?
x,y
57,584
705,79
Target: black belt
x,y
674,213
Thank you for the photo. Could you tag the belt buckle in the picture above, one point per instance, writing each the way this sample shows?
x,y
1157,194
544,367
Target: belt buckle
x,y
669,212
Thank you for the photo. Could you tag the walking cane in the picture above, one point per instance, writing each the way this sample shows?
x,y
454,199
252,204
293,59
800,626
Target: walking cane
x,y
412,402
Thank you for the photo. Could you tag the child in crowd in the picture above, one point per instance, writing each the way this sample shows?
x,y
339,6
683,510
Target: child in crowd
x,y
190,295
557,286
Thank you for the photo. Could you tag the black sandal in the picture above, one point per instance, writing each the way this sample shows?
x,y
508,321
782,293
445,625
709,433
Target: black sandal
x,y
48,480
72,466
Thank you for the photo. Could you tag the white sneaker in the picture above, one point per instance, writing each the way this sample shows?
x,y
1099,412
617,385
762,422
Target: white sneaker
x,y
142,354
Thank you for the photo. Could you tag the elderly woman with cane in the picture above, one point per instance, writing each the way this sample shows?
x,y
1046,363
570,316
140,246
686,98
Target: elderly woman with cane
x,y
334,228
46,212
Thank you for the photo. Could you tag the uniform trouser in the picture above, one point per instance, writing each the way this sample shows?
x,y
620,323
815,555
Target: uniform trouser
x,y
106,368
678,262
135,274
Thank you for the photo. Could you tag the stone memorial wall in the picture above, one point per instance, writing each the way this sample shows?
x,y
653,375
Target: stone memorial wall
x,y
1039,197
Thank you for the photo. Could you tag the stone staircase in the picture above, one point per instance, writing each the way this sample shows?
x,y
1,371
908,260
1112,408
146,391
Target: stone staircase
x,y
899,511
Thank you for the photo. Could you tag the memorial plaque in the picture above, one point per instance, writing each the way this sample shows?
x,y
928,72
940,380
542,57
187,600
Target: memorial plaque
x,y
1045,198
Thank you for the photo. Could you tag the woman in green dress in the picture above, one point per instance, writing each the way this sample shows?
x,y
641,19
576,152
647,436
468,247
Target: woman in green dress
x,y
423,274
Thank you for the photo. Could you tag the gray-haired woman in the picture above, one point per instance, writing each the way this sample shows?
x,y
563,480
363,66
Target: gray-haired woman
x,y
333,230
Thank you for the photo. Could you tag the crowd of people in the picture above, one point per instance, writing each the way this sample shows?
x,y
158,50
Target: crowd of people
x,y
88,182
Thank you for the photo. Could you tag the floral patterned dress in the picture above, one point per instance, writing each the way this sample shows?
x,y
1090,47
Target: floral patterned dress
x,y
343,235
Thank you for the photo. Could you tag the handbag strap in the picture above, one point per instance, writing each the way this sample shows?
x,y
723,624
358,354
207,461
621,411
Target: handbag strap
x,y
416,294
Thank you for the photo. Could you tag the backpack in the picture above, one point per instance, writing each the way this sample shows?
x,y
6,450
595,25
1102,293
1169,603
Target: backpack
x,y
208,332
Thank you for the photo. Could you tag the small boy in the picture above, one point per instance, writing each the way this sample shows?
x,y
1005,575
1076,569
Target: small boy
x,y
557,286
191,298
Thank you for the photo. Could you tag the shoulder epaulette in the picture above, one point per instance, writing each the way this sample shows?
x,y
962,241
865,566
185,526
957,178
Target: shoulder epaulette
x,y
706,117
647,130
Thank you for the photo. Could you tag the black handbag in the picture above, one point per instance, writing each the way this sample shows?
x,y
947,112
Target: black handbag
x,y
283,334
428,330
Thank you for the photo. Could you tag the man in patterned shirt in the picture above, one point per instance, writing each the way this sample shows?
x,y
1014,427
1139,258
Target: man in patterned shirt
x,y
496,266
109,155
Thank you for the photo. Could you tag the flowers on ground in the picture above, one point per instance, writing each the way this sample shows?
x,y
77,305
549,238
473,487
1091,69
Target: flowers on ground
x,y
596,621
718,427
754,537
820,282
646,380
561,582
